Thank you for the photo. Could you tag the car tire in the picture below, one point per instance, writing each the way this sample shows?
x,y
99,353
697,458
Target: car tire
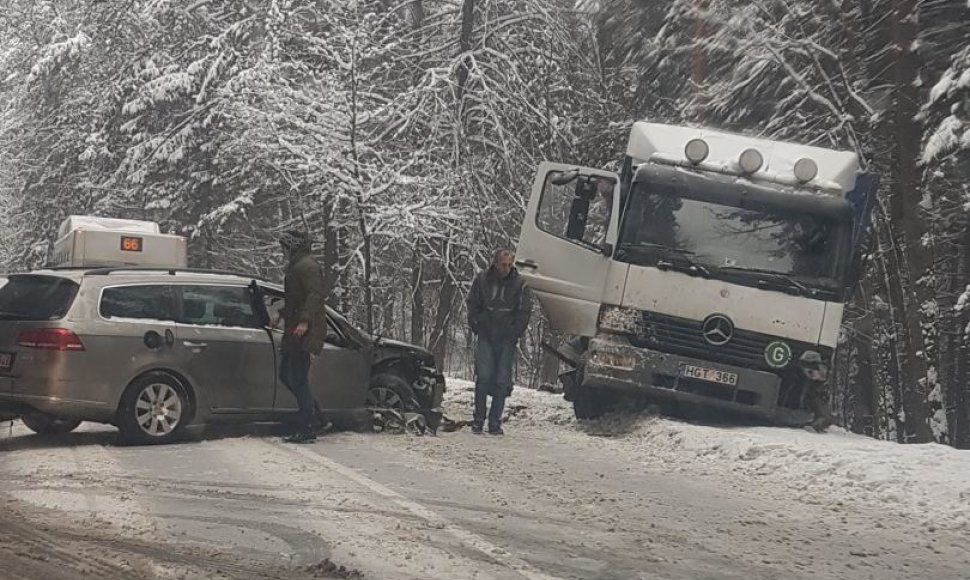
x,y
44,424
391,391
154,409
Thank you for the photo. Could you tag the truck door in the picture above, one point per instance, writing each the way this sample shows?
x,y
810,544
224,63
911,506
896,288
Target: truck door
x,y
567,240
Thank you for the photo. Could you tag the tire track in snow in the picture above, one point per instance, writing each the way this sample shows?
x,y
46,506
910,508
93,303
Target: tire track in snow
x,y
468,539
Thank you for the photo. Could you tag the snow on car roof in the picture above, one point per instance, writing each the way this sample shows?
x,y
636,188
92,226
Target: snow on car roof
x,y
77,222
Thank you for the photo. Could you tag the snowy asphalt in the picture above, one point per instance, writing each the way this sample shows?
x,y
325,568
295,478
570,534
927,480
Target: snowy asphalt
x,y
547,501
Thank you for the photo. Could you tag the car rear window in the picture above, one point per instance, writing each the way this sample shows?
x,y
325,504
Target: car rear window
x,y
35,297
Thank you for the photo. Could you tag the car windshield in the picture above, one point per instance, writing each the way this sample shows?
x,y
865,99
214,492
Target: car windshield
x,y
731,241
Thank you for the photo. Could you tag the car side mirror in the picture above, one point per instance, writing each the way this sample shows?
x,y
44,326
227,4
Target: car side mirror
x,y
335,339
606,250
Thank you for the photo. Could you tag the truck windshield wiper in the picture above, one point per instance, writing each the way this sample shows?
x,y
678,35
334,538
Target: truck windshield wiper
x,y
685,265
772,277
676,259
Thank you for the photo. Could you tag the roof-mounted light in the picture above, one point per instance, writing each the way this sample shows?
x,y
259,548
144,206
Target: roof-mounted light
x,y
805,170
750,161
696,150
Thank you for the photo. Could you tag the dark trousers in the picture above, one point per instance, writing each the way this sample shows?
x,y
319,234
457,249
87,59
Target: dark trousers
x,y
295,374
493,377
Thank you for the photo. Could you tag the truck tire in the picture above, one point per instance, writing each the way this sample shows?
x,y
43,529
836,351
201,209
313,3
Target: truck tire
x,y
589,403
44,424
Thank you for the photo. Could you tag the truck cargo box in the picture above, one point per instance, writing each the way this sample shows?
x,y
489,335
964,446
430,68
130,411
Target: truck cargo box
x,y
90,242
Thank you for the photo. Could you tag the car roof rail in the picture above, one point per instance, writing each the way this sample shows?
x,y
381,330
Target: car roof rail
x,y
171,271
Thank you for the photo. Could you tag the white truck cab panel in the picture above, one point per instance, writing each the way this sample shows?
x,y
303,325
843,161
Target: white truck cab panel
x,y
652,142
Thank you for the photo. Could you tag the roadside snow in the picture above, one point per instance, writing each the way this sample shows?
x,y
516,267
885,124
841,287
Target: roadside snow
x,y
927,483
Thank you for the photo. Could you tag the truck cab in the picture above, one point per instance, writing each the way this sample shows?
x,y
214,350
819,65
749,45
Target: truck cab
x,y
713,270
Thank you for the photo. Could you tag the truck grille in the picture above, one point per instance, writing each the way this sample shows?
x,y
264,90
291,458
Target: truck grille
x,y
683,336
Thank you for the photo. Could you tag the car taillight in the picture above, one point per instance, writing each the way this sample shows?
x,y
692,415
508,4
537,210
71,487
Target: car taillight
x,y
50,339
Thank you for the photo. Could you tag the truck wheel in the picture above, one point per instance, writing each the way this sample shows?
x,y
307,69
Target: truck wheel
x,y
44,424
589,403
154,409
391,391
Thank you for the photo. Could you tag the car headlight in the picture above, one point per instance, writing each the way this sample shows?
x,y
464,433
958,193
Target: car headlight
x,y
619,320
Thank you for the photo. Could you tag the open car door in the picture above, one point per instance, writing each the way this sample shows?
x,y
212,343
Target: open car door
x,y
339,376
567,240
342,376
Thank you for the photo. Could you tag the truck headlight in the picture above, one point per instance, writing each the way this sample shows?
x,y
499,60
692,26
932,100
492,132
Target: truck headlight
x,y
751,161
619,320
613,359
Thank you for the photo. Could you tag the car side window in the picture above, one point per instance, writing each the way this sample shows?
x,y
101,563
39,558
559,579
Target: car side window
x,y
151,302
230,306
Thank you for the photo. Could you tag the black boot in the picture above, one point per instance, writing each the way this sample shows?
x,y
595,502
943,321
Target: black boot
x,y
301,437
305,435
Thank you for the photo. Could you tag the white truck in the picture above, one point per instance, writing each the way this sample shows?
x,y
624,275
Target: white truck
x,y
712,271
92,242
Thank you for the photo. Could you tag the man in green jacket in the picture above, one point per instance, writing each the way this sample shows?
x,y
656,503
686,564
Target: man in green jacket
x,y
305,329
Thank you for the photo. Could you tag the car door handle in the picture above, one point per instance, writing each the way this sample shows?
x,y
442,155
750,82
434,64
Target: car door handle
x,y
527,264
190,344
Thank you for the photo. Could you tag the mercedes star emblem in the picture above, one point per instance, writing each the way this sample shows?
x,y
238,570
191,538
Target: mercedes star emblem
x,y
718,329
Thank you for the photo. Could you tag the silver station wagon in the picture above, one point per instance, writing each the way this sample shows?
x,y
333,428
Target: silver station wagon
x,y
154,351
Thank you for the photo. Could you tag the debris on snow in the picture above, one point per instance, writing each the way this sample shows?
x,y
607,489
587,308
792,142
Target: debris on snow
x,y
327,569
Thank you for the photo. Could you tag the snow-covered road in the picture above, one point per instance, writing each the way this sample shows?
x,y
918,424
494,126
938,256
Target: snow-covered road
x,y
616,499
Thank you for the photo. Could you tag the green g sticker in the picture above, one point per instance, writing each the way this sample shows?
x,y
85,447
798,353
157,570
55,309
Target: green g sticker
x,y
778,354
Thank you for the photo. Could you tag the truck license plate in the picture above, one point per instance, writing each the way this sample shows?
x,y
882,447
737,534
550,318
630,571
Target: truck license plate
x,y
6,361
709,375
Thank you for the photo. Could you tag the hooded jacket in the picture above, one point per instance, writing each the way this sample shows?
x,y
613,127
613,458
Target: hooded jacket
x,y
499,308
303,287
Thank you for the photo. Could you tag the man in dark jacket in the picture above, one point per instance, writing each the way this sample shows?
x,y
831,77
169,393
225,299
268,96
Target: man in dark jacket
x,y
499,306
305,329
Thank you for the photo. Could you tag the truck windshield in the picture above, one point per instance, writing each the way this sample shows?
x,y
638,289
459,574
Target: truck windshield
x,y
765,246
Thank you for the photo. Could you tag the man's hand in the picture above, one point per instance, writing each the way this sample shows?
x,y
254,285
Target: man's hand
x,y
301,329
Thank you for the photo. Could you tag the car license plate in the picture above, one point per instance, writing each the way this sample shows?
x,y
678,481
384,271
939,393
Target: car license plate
x,y
6,361
709,375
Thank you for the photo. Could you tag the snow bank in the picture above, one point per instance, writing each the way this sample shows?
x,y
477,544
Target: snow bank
x,y
929,483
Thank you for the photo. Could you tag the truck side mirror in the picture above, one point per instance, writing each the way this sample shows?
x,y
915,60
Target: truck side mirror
x,y
578,213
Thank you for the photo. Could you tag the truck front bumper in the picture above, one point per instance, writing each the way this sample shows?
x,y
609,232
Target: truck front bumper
x,y
614,364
